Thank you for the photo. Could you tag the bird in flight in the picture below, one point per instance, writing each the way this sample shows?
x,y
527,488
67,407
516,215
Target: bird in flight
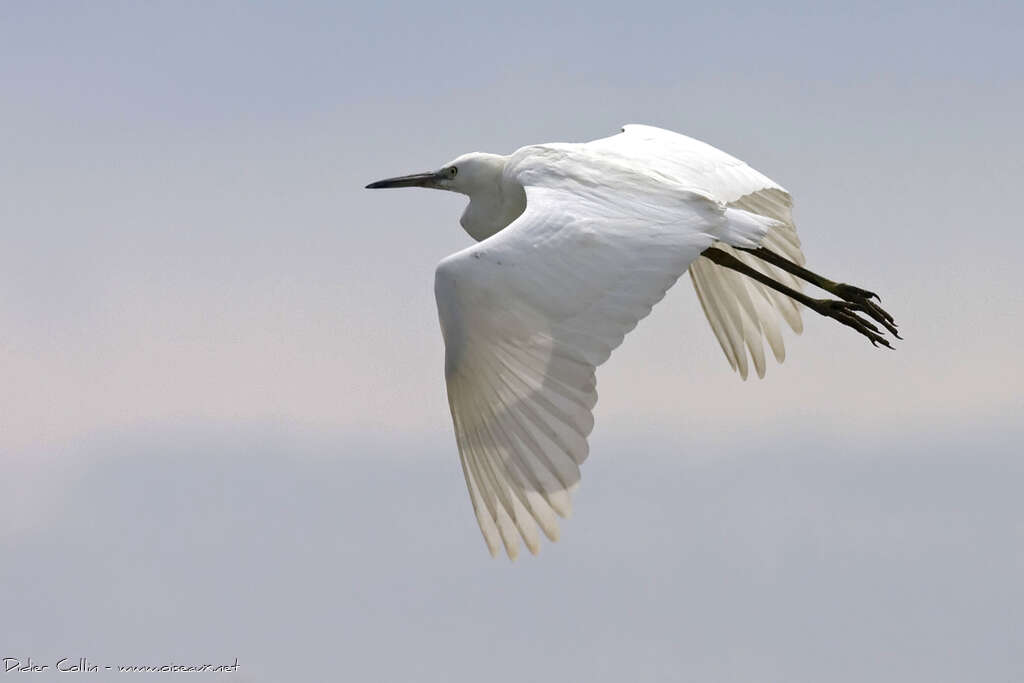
x,y
575,245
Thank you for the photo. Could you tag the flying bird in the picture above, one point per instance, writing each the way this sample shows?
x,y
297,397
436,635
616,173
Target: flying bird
x,y
575,243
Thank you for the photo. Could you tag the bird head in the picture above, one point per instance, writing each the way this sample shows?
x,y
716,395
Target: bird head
x,y
466,174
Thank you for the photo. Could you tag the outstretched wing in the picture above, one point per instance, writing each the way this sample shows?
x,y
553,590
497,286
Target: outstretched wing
x,y
527,316
741,311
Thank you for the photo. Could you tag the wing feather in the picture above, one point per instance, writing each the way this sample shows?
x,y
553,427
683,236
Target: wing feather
x,y
728,299
528,315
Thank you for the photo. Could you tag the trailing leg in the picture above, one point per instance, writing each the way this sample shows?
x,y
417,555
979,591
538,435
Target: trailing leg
x,y
846,292
845,311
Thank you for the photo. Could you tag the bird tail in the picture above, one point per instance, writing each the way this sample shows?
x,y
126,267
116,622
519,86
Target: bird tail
x,y
746,229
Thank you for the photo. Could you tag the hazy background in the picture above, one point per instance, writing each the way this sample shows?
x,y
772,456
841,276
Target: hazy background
x,y
222,416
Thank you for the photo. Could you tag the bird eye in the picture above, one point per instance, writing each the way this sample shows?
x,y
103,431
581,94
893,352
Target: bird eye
x,y
452,171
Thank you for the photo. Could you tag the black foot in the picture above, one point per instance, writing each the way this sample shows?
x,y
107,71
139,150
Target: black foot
x,y
863,299
846,312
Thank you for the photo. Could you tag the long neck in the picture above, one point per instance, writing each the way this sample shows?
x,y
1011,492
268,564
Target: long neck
x,y
494,202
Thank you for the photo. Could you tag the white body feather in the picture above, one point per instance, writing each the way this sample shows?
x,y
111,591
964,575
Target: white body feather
x,y
596,234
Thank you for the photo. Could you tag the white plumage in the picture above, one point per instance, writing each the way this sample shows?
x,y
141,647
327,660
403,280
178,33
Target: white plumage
x,y
579,241
739,309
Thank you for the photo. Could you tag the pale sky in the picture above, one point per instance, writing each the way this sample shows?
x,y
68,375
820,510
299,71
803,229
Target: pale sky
x,y
223,421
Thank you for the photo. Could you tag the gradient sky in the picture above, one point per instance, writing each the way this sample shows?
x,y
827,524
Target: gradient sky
x,y
223,422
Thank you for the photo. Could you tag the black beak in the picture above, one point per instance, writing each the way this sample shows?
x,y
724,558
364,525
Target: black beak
x,y
414,180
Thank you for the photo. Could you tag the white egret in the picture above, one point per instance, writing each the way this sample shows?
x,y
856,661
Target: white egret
x,y
576,243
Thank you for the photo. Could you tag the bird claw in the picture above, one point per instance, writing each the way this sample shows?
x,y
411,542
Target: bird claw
x,y
862,298
852,293
846,312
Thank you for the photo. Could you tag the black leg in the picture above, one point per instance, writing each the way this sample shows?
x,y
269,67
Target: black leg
x,y
840,289
843,311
